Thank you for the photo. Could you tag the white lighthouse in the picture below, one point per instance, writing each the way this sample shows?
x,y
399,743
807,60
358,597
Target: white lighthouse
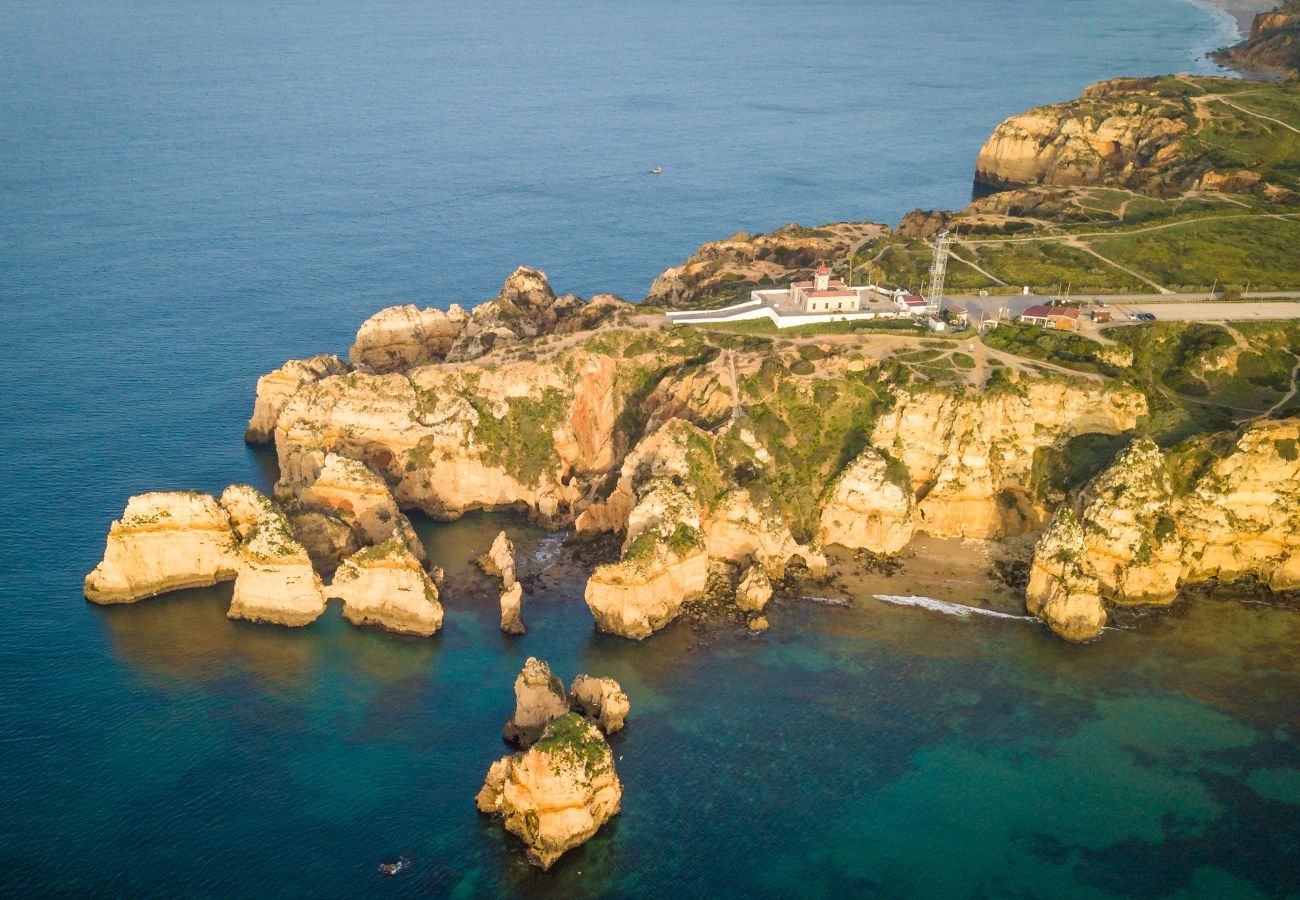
x,y
822,281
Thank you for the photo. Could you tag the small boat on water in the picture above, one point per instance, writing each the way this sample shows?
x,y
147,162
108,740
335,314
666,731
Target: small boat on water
x,y
657,170
400,865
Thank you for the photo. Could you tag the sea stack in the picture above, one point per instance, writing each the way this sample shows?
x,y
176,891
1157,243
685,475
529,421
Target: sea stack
x,y
539,698
555,795
499,562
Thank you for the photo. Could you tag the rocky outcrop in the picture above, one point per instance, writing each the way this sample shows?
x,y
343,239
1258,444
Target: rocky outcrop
x,y
276,582
499,561
871,505
753,591
677,513
526,308
924,223
1117,132
1273,44
601,701
165,541
1062,592
970,457
1242,517
355,495
401,337
555,795
453,439
386,585
539,698
512,618
275,388
1134,540
725,271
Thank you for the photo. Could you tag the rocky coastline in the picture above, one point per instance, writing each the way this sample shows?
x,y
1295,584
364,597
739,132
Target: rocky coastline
x,y
719,462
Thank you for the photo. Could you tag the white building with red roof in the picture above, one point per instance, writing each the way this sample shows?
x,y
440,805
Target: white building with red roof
x,y
824,294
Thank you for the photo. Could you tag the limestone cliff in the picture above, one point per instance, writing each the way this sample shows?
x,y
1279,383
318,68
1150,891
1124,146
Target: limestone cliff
x,y
275,388
499,562
1162,136
1272,46
386,585
164,541
452,439
357,496
1135,540
970,456
400,337
555,795
276,582
723,272
871,505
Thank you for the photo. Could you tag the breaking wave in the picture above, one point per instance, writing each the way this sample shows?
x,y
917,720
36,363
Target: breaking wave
x,y
547,552
960,610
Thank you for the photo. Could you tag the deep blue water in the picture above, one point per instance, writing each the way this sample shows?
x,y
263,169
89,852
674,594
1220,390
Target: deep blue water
x,y
191,192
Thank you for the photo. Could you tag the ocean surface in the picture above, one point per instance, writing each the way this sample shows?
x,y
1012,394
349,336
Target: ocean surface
x,y
192,192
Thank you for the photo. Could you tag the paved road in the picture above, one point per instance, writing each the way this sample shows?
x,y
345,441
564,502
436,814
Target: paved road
x,y
1164,306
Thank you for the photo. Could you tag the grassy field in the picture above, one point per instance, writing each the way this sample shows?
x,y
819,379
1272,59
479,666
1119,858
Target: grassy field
x,y
1259,251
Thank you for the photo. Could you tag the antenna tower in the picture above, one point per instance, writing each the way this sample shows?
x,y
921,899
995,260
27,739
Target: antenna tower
x,y
939,268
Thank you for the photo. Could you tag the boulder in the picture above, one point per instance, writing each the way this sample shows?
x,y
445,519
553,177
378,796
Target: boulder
x,y
555,795
385,585
164,541
539,698
601,701
754,590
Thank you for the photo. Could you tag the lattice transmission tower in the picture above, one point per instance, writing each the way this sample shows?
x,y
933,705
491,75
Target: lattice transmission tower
x,y
939,268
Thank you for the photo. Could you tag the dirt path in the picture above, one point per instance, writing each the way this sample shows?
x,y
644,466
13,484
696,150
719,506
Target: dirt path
x,y
1149,228
1295,373
1080,245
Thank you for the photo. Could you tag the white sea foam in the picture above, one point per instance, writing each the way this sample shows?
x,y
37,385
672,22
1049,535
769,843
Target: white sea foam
x,y
960,610
546,552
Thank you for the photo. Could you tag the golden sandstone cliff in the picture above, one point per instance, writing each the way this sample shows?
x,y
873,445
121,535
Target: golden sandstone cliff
x,y
1131,539
556,794
1160,136
713,480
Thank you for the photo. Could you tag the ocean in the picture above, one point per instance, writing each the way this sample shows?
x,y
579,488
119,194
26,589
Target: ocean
x,y
194,192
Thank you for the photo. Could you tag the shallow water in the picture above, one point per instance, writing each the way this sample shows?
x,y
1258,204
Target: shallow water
x,y
195,191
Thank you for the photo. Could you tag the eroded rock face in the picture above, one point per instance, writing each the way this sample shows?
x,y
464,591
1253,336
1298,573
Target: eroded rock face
x,y
386,585
672,503
525,308
1134,540
276,582
557,794
970,458
453,439
499,561
601,701
354,494
165,541
870,506
275,388
1116,132
512,619
1242,518
401,337
1062,592
539,698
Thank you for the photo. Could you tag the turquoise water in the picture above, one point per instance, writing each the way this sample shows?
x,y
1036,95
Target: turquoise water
x,y
194,192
